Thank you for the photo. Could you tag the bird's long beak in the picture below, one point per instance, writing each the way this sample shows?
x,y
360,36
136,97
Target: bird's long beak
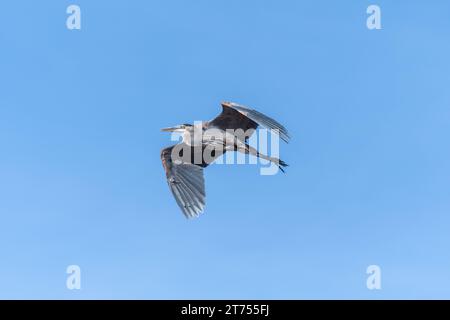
x,y
171,129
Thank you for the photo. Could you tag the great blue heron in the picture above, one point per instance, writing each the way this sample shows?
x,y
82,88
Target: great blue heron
x,y
229,131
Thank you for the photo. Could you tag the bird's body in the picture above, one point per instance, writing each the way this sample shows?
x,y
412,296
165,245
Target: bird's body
x,y
205,142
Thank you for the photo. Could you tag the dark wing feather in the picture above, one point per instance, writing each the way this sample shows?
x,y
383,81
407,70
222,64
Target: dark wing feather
x,y
235,116
186,182
231,118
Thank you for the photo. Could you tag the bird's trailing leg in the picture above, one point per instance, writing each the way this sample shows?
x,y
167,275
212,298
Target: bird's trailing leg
x,y
245,148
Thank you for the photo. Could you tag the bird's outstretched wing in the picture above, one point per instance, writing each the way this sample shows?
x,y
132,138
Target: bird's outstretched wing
x,y
235,116
186,182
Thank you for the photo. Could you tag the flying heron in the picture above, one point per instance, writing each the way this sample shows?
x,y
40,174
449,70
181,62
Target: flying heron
x,y
229,131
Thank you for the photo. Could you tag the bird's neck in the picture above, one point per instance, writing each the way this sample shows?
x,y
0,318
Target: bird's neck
x,y
193,137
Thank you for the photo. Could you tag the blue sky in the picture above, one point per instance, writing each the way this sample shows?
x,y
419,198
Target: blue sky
x,y
81,180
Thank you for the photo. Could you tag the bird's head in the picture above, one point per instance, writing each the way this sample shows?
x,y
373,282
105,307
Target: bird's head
x,y
180,128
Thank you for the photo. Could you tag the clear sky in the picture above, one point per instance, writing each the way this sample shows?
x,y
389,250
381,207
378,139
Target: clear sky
x,y
81,180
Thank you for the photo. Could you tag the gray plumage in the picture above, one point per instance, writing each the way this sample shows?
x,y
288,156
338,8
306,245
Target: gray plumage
x,y
185,174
